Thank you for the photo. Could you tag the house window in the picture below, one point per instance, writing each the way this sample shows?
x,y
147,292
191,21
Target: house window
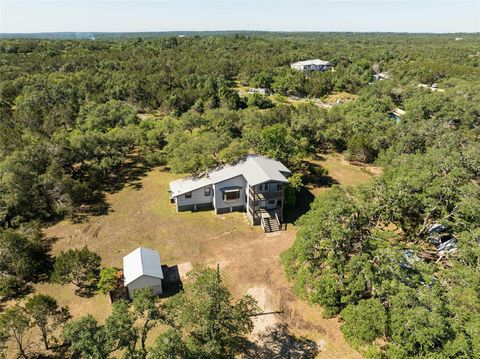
x,y
263,187
231,195
188,195
207,192
271,201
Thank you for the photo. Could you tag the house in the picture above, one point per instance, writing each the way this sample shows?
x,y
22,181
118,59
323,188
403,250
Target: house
x,y
141,269
260,90
380,76
433,87
255,185
397,114
312,65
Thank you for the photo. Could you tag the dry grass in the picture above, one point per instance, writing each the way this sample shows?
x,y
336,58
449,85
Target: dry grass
x,y
341,172
141,215
342,96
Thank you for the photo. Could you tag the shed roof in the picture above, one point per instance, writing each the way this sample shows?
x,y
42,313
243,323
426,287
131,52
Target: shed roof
x,y
141,262
254,168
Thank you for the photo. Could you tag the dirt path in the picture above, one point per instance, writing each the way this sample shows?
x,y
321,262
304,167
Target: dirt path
x,y
256,269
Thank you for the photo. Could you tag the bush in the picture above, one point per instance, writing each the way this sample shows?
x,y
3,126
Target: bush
x,y
259,101
108,280
364,322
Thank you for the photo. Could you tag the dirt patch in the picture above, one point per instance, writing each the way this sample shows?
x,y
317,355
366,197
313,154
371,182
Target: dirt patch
x,y
266,318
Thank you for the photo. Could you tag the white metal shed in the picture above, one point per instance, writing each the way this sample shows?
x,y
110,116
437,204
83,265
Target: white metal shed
x,y
141,269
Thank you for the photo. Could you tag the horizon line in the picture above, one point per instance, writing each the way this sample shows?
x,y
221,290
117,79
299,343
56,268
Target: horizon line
x,y
240,31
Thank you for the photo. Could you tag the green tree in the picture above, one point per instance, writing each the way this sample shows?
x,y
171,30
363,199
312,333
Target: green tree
x,y
145,309
79,267
168,345
46,315
23,253
102,117
14,323
260,101
418,324
47,104
87,338
276,142
294,186
119,328
215,325
289,82
364,322
12,286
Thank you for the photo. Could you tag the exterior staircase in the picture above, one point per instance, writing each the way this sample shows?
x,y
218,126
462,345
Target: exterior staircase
x,y
271,225
270,222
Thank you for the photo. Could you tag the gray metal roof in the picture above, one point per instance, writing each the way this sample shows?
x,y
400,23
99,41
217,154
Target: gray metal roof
x,y
140,262
312,62
189,184
254,168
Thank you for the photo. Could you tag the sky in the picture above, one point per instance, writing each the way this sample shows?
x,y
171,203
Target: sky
x,y
197,15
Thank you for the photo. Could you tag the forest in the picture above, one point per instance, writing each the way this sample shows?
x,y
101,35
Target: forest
x,y
75,114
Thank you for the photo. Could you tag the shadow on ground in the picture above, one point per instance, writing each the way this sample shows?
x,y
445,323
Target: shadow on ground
x,y
172,283
302,206
130,174
315,177
278,343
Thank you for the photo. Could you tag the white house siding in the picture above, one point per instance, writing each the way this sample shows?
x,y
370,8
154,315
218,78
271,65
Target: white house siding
x,y
196,202
143,282
220,205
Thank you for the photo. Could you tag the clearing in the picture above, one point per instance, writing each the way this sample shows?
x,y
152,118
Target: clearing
x,y
140,214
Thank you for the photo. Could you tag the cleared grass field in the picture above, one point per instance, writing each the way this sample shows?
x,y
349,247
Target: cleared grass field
x,y
141,215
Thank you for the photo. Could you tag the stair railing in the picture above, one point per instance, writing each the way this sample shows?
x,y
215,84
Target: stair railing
x,y
278,221
262,222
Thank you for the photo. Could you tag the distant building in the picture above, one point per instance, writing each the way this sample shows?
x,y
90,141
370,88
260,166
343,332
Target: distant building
x,y
397,114
458,38
142,269
433,87
380,76
254,184
312,65
260,90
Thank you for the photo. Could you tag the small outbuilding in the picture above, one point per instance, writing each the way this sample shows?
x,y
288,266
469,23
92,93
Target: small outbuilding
x,y
142,269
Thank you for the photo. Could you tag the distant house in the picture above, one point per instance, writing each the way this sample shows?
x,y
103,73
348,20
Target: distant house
x,y
312,65
380,76
255,184
142,269
260,90
397,114
433,87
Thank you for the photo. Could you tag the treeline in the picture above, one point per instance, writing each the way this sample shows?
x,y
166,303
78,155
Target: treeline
x,y
369,255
